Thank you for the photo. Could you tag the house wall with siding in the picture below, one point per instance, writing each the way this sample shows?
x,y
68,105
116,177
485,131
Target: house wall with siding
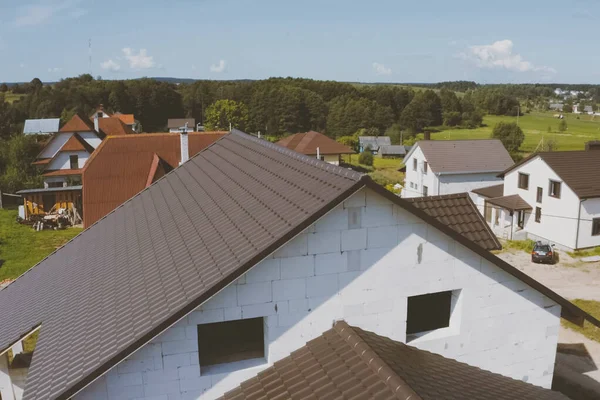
x,y
360,263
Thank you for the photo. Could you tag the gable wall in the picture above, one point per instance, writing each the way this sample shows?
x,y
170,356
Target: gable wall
x,y
417,177
55,144
91,138
61,161
359,263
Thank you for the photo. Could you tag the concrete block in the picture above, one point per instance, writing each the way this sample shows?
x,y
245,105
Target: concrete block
x,y
135,366
319,286
358,199
288,289
233,313
403,217
191,332
125,393
177,360
225,298
375,199
354,239
298,305
160,376
154,389
179,346
298,246
378,307
123,380
353,310
371,257
335,220
332,263
386,236
191,372
258,310
324,242
376,216
201,383
291,319
172,334
297,267
354,217
353,260
264,271
148,351
254,293
282,307
205,317
194,359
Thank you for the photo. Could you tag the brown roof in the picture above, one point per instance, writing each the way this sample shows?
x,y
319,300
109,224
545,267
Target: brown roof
x,y
465,156
120,167
128,119
578,169
490,191
114,127
513,202
42,161
63,172
349,363
189,235
180,122
460,213
307,143
78,123
76,143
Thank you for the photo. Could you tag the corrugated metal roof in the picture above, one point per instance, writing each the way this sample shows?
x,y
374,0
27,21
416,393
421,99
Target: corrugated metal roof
x,y
460,213
41,126
307,143
465,156
348,362
397,150
374,141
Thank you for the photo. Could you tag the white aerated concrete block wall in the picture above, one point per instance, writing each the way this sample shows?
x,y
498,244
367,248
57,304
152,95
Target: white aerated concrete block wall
x,y
359,263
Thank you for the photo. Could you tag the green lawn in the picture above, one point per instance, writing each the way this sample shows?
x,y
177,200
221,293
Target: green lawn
x,y
589,330
11,97
384,170
21,247
535,126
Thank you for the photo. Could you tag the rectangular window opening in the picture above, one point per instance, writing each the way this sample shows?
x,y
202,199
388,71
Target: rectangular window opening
x,y
554,189
231,341
74,162
523,181
414,164
538,214
596,227
425,191
429,314
540,193
425,167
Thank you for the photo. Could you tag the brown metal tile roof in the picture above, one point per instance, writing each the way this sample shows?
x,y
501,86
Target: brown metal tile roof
x,y
350,363
78,123
42,161
121,165
490,191
578,169
170,248
114,127
460,213
307,143
513,202
76,143
465,156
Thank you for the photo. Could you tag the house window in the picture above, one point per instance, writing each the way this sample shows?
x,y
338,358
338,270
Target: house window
x,y
538,214
225,342
554,190
428,312
523,181
596,227
55,184
425,167
74,162
414,164
99,115
425,190
540,193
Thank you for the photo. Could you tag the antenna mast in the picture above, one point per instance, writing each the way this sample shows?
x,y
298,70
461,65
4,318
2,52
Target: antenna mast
x,y
90,55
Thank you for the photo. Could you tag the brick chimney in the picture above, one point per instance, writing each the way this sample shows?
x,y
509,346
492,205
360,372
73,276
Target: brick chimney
x,y
426,135
184,144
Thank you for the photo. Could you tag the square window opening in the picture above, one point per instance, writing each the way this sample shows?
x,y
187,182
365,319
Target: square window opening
x,y
434,314
231,341
523,181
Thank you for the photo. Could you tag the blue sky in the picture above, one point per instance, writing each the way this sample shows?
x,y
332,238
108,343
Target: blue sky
x,y
368,41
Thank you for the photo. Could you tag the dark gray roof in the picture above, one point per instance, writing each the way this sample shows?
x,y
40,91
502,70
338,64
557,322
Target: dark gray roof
x,y
170,248
465,156
41,126
397,150
175,123
374,141
348,362
490,191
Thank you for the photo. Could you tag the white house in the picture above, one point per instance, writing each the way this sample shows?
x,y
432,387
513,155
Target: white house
x,y
437,167
243,254
552,197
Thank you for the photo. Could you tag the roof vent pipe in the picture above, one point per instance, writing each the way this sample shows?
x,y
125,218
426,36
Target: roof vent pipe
x,y
318,154
184,144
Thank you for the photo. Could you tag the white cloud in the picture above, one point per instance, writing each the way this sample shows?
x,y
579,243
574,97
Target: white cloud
x,y
500,55
54,70
44,10
381,69
218,68
110,65
141,60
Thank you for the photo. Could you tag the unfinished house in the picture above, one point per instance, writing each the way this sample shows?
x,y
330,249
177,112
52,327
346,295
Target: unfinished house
x,y
246,252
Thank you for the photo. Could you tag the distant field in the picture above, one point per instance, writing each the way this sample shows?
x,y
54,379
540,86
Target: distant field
x,y
11,97
535,126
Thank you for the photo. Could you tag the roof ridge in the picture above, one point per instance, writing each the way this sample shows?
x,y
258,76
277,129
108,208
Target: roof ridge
x,y
398,386
325,166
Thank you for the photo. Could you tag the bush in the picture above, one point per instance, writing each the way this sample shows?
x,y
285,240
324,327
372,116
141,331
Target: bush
x,y
510,134
562,125
366,158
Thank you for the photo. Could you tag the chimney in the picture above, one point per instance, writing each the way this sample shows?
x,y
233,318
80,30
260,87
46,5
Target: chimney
x,y
426,135
592,145
96,123
184,144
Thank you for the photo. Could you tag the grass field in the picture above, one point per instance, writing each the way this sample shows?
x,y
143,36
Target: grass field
x,y
11,97
21,247
384,170
535,126
589,330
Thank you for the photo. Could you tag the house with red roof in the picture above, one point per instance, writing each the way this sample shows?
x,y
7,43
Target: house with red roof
x,y
317,145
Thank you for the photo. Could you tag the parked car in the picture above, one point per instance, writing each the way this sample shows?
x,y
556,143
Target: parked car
x,y
544,253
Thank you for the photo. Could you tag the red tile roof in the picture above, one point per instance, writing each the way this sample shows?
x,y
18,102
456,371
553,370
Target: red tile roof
x,y
76,143
307,143
114,127
127,119
121,167
349,363
78,124
63,172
